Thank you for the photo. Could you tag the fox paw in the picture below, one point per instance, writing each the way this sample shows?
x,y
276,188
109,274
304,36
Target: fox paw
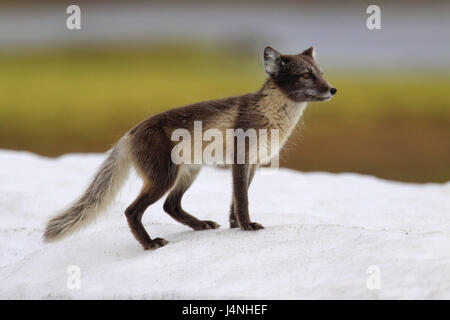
x,y
206,225
252,226
155,244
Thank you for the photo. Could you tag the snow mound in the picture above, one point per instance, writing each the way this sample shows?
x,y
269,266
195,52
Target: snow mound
x,y
325,234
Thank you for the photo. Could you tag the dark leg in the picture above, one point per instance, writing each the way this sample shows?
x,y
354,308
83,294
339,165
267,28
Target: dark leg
x,y
135,211
159,176
233,220
241,174
172,204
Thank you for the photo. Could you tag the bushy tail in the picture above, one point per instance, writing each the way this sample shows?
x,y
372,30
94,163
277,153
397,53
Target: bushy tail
x,y
100,193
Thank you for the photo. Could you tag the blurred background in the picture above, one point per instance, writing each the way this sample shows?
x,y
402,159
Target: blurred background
x,y
67,91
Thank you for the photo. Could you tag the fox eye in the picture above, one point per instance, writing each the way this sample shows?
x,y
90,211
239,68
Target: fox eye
x,y
306,75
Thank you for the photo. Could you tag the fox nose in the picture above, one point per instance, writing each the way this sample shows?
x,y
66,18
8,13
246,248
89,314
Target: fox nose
x,y
333,91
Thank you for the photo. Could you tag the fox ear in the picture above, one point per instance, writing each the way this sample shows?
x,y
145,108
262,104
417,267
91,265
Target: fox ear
x,y
309,52
272,61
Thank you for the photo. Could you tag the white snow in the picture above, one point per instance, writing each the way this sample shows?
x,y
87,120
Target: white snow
x,y
323,231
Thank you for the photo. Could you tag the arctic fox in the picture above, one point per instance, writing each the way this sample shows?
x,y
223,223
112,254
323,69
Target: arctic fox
x,y
293,80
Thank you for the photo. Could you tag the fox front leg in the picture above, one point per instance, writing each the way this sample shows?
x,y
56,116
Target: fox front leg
x,y
241,174
233,220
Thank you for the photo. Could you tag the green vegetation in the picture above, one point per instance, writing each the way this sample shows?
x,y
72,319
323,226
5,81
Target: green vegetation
x,y
392,125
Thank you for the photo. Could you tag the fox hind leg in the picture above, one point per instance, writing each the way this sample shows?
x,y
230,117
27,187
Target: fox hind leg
x,y
134,213
173,207
159,176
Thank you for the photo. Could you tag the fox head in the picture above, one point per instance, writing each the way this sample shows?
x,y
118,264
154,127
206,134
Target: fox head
x,y
298,76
